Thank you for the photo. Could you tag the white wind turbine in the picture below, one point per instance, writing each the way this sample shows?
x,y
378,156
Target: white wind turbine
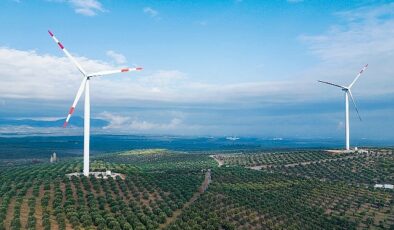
x,y
85,86
348,93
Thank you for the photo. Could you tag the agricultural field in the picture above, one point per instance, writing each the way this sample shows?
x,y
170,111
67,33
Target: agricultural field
x,y
162,189
40,196
266,159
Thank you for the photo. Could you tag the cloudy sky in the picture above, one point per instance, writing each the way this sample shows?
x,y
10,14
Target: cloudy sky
x,y
231,67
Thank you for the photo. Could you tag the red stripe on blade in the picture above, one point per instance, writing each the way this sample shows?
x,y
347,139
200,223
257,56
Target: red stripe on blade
x,y
139,68
50,33
60,44
65,124
124,70
71,110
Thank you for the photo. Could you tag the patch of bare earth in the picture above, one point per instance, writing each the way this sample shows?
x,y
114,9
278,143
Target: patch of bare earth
x,y
52,218
218,159
38,208
10,214
74,190
25,207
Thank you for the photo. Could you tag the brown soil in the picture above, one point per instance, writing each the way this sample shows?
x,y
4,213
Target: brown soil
x,y
52,219
25,207
10,214
38,213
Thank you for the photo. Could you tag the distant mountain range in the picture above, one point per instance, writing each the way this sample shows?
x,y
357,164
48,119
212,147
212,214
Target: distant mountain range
x,y
75,121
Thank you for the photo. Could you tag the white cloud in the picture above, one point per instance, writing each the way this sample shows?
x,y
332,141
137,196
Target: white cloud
x,y
164,79
366,33
113,119
151,12
343,50
117,57
132,124
22,130
145,125
28,74
366,13
365,36
84,7
87,7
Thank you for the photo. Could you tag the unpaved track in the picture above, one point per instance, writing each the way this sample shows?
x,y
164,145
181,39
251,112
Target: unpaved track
x,y
25,208
220,162
195,196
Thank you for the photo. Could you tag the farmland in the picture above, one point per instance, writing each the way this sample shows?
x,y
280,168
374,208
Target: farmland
x,y
164,189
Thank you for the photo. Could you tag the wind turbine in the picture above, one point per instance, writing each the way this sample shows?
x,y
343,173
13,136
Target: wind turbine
x,y
348,93
85,87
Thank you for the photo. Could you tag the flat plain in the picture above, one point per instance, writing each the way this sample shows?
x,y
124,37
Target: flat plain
x,y
163,189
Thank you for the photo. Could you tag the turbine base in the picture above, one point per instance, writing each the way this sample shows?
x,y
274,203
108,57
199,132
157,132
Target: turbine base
x,y
98,175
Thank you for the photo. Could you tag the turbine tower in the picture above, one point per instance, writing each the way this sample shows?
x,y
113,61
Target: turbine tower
x,y
85,87
348,93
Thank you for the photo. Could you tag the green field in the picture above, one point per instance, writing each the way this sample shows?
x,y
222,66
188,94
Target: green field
x,y
178,190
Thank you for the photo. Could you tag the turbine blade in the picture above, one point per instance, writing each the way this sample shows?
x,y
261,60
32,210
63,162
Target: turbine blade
x,y
101,73
354,103
67,53
79,93
358,75
328,83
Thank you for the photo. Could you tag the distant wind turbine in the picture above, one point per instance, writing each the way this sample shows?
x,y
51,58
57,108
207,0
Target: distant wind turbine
x,y
85,86
348,93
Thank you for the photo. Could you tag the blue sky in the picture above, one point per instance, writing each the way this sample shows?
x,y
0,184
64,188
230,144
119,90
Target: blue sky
x,y
247,68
